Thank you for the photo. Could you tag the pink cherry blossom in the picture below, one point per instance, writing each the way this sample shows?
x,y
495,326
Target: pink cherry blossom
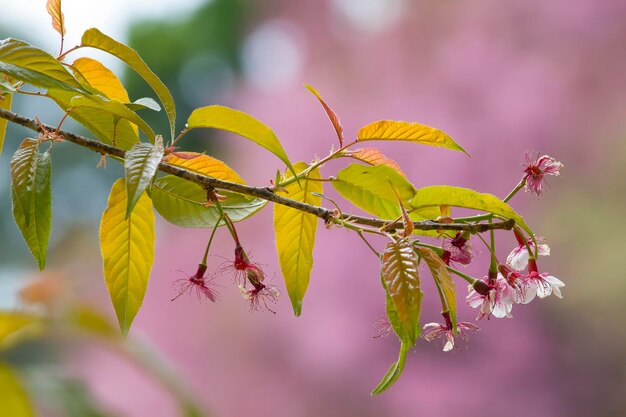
x,y
259,295
537,169
546,284
498,301
436,330
458,249
518,258
200,283
524,287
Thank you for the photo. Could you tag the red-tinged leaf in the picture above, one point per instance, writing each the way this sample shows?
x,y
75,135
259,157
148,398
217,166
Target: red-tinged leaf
x,y
401,279
407,131
58,20
334,119
441,274
373,156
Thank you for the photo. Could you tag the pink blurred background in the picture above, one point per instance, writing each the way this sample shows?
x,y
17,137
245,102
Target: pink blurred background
x,y
502,78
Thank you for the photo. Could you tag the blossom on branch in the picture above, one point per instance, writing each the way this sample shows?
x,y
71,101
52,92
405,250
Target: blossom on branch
x,y
535,171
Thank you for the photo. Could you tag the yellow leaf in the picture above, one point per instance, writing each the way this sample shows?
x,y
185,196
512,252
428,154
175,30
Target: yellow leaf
x,y
295,236
374,157
440,274
14,401
231,120
203,164
127,246
101,78
406,131
58,20
5,103
11,322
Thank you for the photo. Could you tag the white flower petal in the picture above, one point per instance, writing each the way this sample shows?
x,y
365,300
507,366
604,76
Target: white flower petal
x,y
518,258
450,343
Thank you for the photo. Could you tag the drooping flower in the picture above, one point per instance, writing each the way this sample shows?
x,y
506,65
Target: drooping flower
x,y
458,249
518,258
436,330
546,284
497,300
524,287
259,295
537,169
202,285
242,266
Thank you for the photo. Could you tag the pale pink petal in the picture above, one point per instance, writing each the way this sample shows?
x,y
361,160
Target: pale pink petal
x,y
518,258
555,284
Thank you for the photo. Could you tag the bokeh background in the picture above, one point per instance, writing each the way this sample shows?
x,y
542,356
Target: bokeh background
x,y
502,78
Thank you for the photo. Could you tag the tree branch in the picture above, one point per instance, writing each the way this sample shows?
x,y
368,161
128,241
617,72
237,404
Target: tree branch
x,y
260,192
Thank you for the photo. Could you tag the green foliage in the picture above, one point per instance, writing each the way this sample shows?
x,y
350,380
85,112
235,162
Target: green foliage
x,y
24,62
443,279
5,103
370,188
184,203
225,118
96,39
140,165
394,371
31,197
437,195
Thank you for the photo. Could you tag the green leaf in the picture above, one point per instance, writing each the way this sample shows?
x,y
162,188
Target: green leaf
x,y
406,131
26,63
32,198
145,103
225,118
11,322
140,165
184,203
370,188
101,123
14,399
401,280
115,108
441,274
96,39
394,371
437,195
5,103
127,246
295,235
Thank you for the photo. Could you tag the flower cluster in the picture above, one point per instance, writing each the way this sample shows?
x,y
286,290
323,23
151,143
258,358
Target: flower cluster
x,y
495,295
